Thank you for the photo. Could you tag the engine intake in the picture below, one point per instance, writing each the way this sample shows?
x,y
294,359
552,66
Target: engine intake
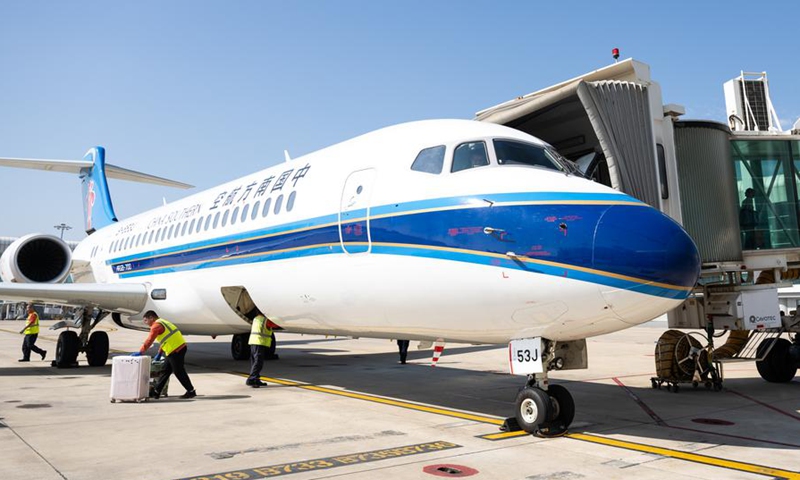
x,y
36,258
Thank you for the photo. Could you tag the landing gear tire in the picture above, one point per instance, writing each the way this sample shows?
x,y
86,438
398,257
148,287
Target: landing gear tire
x,y
563,411
533,409
67,349
240,347
97,349
777,367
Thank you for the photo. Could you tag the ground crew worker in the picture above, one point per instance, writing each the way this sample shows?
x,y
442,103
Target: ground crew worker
x,y
171,343
402,347
260,341
31,332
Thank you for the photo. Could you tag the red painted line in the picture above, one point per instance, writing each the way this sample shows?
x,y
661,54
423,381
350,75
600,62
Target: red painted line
x,y
662,423
641,404
510,363
782,412
600,379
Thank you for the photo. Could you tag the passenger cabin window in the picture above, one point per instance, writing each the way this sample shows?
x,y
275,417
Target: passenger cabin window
x,y
518,153
429,160
469,155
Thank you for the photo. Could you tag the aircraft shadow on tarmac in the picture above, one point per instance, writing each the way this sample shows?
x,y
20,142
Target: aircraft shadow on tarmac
x,y
760,413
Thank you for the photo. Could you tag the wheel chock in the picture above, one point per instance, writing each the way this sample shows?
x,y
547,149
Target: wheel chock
x,y
510,425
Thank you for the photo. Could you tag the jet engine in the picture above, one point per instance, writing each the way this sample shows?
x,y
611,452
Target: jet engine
x,y
36,258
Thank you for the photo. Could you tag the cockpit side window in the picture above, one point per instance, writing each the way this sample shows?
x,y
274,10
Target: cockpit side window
x,y
429,160
518,153
469,155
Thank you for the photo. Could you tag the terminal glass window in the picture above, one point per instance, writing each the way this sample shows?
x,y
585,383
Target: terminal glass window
x,y
469,155
768,179
429,160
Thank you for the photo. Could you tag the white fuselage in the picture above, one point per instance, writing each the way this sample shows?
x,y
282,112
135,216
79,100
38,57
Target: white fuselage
x,y
363,245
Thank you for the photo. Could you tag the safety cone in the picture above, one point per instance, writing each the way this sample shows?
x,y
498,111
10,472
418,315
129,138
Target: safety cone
x,y
438,348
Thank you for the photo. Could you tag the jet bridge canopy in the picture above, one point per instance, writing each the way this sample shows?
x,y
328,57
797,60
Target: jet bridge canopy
x,y
613,124
603,120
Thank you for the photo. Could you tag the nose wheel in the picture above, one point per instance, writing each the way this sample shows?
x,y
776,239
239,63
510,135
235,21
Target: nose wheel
x,y
544,413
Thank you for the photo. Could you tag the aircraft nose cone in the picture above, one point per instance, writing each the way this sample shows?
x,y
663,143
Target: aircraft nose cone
x,y
645,251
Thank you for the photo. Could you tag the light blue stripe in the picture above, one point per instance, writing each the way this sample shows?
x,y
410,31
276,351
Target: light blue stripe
x,y
397,209
224,262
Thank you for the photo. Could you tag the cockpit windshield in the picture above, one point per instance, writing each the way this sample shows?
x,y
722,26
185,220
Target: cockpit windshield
x,y
518,153
511,152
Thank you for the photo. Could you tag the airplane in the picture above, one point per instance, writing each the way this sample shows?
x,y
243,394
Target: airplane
x,y
435,230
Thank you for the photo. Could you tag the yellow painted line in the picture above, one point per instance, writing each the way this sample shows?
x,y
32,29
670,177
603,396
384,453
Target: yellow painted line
x,y
692,457
385,401
504,435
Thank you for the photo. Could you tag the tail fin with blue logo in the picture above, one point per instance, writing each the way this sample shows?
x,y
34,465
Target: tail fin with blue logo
x,y
98,211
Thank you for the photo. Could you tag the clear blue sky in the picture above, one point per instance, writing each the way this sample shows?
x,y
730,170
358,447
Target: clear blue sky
x,y
204,92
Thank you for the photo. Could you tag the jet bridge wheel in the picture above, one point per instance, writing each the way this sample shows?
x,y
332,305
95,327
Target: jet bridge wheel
x,y
777,367
533,409
97,349
67,349
240,346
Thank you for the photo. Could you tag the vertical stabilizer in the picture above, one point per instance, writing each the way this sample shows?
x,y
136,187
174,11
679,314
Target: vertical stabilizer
x,y
98,211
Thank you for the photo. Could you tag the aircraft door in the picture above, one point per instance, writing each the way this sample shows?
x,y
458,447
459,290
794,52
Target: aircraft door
x,y
354,212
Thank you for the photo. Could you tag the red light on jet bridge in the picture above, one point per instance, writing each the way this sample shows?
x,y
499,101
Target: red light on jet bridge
x,y
615,53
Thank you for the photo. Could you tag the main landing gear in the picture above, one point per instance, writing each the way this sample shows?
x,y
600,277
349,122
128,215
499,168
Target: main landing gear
x,y
240,347
70,343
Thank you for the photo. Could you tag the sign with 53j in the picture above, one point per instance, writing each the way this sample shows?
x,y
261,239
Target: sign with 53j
x,y
525,356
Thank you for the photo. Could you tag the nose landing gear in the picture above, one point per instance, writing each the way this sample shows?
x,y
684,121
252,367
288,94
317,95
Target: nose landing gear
x,y
542,409
545,413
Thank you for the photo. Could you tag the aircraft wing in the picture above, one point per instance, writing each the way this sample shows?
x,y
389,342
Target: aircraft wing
x,y
127,298
75,166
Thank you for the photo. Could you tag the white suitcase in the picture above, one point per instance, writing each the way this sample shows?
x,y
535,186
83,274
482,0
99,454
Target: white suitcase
x,y
130,378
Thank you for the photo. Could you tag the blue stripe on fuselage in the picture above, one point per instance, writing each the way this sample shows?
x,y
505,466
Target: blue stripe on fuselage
x,y
559,245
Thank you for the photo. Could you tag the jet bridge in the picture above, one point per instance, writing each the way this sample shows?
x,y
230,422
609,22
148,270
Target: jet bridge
x,y
613,124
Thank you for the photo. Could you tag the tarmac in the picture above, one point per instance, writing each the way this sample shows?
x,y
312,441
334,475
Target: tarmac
x,y
341,407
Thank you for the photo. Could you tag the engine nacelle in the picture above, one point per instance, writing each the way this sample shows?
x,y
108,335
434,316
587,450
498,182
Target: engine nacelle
x,y
36,258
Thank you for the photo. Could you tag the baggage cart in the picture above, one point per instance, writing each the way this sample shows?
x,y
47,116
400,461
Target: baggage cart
x,y
156,372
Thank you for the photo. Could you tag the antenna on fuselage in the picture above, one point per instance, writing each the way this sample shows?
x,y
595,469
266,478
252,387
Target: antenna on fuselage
x,y
286,155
